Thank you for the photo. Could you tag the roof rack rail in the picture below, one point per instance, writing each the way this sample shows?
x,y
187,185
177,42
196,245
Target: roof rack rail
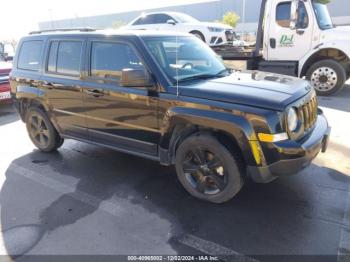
x,y
81,29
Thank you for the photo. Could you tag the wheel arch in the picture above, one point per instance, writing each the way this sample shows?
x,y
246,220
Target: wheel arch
x,y
323,54
196,31
233,131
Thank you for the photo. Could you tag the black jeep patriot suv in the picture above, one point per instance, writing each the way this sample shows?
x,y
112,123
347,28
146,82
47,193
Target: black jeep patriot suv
x,y
169,98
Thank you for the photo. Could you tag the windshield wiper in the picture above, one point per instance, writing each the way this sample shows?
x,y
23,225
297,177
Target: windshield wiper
x,y
205,76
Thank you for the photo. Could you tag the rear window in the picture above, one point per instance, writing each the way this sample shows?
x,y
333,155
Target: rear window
x,y
64,57
29,56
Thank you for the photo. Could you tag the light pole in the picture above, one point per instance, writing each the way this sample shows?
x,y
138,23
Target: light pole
x,y
243,19
51,17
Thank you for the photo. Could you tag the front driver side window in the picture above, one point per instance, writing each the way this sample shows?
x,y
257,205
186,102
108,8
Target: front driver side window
x,y
109,59
283,18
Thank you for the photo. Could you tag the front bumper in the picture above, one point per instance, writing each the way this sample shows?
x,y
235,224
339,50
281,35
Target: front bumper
x,y
220,38
311,147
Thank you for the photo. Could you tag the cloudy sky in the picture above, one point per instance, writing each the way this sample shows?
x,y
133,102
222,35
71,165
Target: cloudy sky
x,y
21,16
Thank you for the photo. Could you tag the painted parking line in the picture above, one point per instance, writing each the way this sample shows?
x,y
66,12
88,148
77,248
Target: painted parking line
x,y
213,249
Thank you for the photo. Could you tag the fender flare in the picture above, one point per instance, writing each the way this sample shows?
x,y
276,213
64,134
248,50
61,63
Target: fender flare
x,y
234,125
34,96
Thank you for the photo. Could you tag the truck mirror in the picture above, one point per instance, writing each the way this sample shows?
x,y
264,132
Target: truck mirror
x,y
293,14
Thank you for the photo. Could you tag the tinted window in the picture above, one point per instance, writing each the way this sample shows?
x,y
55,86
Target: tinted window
x,y
68,57
146,20
52,61
109,59
29,57
283,15
162,18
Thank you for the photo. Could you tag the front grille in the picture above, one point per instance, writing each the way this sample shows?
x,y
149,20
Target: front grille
x,y
308,113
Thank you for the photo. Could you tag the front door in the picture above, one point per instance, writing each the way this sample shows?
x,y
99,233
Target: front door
x,y
124,117
284,43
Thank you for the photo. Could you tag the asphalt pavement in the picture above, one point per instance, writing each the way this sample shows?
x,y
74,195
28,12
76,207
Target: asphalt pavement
x,y
87,200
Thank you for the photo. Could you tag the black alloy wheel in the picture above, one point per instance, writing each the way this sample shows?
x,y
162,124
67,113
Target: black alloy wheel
x,y
41,131
205,171
208,170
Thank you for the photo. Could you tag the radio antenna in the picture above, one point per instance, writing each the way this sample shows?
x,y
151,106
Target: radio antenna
x,y
176,66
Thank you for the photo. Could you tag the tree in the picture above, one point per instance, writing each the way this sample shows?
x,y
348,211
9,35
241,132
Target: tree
x,y
231,19
118,24
323,1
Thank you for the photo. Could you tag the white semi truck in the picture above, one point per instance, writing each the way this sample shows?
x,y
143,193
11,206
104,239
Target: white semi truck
x,y
298,38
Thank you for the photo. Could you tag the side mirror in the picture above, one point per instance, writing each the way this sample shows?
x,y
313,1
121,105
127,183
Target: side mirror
x,y
135,78
294,14
171,22
7,57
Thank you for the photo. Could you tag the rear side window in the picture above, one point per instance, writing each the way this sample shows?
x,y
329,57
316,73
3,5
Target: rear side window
x,y
109,59
64,57
29,56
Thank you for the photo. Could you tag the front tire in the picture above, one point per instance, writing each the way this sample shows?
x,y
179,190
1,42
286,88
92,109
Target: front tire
x,y
327,77
207,170
41,131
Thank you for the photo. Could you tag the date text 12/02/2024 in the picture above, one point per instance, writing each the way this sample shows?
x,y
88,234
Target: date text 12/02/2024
x,y
173,258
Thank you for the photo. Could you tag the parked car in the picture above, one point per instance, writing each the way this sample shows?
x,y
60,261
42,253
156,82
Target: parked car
x,y
210,33
5,96
169,98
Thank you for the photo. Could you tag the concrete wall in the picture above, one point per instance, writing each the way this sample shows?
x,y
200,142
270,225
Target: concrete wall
x,y
208,11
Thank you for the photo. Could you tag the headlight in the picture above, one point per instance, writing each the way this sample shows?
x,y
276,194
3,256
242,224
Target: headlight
x,y
292,119
215,29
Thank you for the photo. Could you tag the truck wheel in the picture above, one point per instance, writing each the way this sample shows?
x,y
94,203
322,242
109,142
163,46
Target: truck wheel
x,y
327,77
42,133
207,170
198,35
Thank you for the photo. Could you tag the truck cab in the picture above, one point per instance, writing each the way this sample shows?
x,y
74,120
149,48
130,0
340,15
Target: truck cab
x,y
298,38
303,32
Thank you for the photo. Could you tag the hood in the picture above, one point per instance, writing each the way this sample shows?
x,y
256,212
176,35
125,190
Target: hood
x,y
210,24
339,33
252,88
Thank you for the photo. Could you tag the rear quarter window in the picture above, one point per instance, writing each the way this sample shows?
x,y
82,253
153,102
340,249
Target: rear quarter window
x,y
30,55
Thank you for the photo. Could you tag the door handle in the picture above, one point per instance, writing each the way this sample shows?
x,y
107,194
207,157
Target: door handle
x,y
94,92
273,42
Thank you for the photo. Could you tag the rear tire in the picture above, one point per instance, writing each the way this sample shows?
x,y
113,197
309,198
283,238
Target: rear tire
x,y
327,77
41,131
207,170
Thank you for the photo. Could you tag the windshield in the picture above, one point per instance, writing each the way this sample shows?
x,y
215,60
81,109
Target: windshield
x,y
183,18
185,58
323,18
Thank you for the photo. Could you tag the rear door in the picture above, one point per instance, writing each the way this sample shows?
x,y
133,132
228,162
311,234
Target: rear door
x,y
62,83
124,117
